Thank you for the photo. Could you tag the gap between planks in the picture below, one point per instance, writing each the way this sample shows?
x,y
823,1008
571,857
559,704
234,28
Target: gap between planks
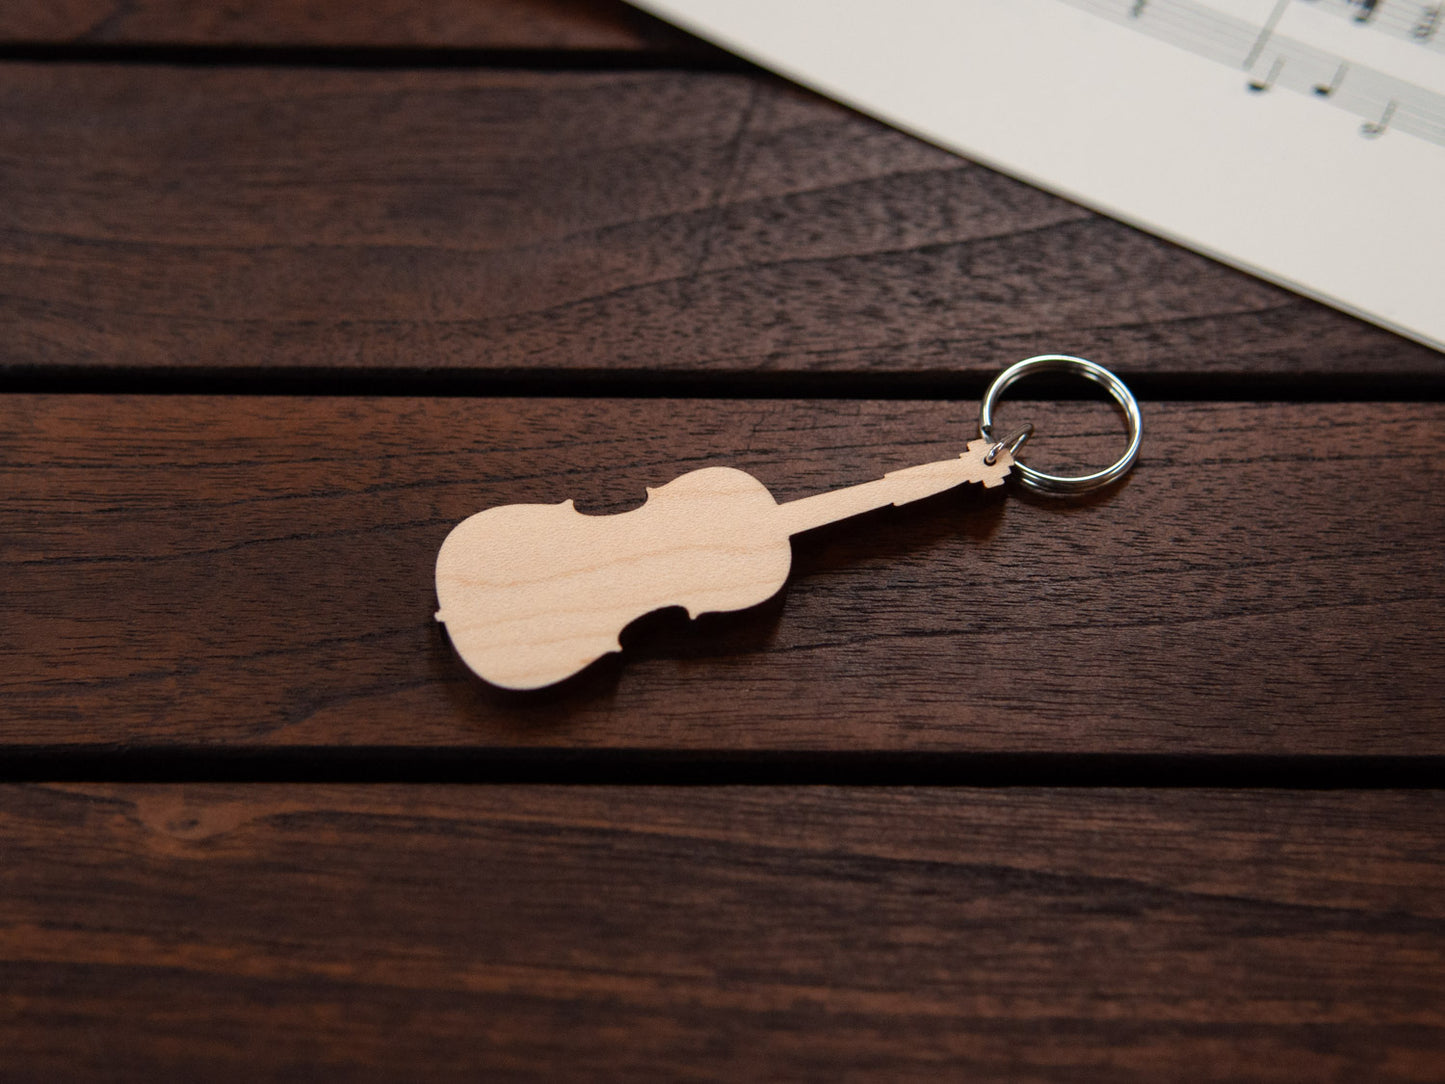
x,y
584,26
717,768
693,57
1184,387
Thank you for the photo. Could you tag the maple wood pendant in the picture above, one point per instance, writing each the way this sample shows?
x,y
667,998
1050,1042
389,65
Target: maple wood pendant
x,y
532,594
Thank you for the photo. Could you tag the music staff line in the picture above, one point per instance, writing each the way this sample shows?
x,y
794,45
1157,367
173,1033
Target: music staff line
x,y
1273,61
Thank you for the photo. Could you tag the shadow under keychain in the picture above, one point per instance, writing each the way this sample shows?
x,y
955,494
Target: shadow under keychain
x,y
532,594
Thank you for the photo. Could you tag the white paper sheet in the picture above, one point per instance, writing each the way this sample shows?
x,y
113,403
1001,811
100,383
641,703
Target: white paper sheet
x,y
1302,140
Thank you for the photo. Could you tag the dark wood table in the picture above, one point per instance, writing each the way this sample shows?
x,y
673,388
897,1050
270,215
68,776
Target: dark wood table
x,y
1144,786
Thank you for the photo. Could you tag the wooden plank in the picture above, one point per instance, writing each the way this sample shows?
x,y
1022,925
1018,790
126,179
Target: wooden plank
x,y
523,222
476,24
260,572
431,932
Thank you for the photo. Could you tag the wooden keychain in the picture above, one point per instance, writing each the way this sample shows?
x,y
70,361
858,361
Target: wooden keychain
x,y
532,594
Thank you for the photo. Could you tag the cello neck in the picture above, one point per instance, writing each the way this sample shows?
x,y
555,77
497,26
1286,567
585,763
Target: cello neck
x,y
897,487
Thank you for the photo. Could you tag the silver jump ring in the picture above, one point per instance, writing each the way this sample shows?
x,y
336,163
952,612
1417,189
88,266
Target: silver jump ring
x,y
1064,363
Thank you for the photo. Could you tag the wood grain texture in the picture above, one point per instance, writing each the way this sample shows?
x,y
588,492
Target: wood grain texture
x,y
551,223
433,932
477,24
260,571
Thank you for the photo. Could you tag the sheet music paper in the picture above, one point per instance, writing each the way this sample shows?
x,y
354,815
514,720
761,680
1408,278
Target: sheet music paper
x,y
1302,140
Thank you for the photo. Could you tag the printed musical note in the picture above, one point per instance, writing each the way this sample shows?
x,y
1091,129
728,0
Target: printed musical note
x,y
1258,85
1376,128
1429,21
1324,90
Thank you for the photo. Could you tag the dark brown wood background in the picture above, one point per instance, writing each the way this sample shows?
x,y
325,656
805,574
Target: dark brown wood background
x,y
1140,787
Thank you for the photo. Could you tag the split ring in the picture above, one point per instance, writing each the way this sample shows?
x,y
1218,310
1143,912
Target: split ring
x,y
1064,363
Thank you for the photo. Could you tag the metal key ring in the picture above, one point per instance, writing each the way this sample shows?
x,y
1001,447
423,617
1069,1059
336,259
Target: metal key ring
x,y
1064,363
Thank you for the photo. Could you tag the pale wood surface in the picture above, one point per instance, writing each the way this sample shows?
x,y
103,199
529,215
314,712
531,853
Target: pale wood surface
x,y
544,225
532,594
261,571
721,934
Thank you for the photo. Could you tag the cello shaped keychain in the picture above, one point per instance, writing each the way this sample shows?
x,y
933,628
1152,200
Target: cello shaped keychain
x,y
532,594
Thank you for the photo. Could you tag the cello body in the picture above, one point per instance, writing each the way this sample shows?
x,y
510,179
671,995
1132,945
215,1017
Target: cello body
x,y
533,593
